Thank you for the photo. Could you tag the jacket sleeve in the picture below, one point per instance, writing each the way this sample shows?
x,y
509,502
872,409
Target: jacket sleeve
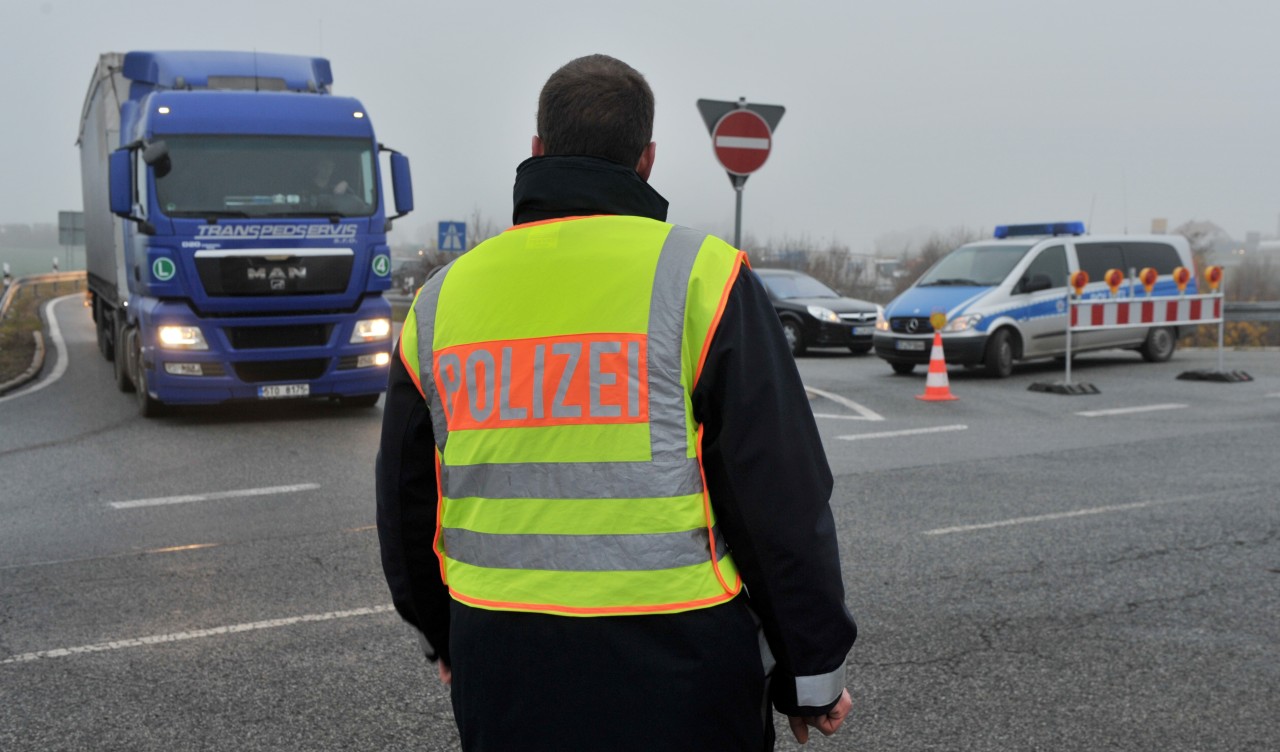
x,y
407,502
770,485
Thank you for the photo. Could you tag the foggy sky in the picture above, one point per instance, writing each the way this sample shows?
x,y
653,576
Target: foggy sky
x,y
902,117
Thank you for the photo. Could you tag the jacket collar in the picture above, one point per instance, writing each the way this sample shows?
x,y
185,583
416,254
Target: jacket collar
x,y
572,186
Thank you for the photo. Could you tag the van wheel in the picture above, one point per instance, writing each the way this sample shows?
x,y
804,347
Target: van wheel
x,y
999,356
795,336
1159,346
902,369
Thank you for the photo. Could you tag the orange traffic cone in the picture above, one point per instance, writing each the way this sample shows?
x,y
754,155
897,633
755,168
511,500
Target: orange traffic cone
x,y
936,386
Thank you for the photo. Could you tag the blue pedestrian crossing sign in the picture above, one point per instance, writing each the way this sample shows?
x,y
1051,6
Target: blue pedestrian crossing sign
x,y
452,237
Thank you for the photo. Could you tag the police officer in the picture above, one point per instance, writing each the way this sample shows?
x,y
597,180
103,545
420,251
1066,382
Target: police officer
x,y
602,497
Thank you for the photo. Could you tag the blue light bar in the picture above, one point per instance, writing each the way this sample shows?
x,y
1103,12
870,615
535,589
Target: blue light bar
x,y
1043,228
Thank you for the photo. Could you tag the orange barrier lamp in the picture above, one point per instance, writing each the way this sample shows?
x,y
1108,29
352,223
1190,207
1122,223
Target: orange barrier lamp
x,y
1148,278
1114,278
1181,277
936,386
1213,276
1078,281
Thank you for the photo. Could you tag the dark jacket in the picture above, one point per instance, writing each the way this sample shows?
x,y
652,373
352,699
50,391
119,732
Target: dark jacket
x,y
693,680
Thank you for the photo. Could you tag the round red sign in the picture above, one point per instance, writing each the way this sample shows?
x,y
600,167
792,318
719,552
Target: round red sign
x,y
742,141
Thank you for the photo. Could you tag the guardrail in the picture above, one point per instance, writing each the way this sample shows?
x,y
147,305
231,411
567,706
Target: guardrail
x,y
33,279
1261,311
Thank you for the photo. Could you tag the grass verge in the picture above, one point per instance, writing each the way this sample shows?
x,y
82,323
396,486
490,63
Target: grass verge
x,y
17,345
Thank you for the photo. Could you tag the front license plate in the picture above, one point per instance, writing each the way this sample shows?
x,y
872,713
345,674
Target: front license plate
x,y
909,344
280,391
862,331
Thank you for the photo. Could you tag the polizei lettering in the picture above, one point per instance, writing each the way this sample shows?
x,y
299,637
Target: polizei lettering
x,y
277,232
577,379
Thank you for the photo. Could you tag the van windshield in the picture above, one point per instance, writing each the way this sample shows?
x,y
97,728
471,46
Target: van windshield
x,y
975,266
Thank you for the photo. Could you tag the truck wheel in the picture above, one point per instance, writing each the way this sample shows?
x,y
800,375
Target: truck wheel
x,y
999,355
147,406
902,369
795,336
103,327
121,359
1159,346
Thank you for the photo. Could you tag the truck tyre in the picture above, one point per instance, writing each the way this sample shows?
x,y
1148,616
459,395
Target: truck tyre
x,y
902,369
795,336
121,359
147,406
1159,346
103,327
999,356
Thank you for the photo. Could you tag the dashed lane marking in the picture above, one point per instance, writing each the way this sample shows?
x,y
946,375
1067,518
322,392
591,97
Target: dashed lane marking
x,y
1128,410
862,412
904,432
161,501
137,642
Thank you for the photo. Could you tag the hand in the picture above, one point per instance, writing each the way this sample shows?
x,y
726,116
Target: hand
x,y
827,724
446,674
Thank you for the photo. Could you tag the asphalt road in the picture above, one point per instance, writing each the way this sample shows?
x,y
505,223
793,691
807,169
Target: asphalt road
x,y
1029,571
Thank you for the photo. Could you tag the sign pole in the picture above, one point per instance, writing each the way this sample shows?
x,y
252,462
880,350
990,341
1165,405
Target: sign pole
x,y
738,184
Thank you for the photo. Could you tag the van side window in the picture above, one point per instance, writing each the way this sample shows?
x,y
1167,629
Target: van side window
x,y
1052,263
1097,258
1160,256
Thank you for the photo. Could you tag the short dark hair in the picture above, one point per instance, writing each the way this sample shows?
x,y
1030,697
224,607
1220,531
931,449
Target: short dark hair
x,y
596,106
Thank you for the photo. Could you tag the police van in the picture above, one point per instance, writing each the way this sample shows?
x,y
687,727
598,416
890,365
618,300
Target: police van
x,y
1005,299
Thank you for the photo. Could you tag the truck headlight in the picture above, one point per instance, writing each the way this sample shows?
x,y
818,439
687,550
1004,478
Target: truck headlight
x,y
963,323
370,330
181,338
823,314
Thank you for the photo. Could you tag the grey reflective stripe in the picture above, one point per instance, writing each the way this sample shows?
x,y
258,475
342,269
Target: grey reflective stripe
x,y
581,553
424,311
573,480
668,435
822,689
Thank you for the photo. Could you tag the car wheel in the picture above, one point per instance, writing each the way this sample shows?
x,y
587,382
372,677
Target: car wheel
x,y
795,336
1159,346
859,349
902,369
999,356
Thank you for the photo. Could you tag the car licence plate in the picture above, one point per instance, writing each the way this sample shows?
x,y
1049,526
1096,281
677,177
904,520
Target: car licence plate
x,y
862,331
279,391
909,344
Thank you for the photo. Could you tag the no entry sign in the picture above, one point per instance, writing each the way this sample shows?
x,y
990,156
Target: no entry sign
x,y
742,140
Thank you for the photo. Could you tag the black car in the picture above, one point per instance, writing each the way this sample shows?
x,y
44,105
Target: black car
x,y
814,315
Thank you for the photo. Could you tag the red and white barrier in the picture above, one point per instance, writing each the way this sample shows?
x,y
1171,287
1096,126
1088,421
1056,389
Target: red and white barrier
x,y
1108,313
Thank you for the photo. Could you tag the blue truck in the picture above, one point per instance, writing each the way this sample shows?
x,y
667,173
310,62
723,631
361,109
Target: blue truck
x,y
236,229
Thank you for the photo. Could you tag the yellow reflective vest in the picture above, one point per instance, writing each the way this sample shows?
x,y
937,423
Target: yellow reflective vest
x,y
558,361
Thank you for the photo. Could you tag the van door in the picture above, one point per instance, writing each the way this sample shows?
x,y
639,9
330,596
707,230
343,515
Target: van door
x,y
1043,311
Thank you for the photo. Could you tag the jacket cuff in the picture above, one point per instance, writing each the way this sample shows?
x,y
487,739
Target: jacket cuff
x,y
807,695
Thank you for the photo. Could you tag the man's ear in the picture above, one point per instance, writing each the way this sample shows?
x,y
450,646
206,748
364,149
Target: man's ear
x,y
538,149
645,165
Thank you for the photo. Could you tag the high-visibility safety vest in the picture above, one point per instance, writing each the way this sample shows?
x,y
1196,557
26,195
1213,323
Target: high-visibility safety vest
x,y
558,360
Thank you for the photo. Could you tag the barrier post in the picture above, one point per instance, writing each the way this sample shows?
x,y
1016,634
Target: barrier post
x,y
1078,280
1213,278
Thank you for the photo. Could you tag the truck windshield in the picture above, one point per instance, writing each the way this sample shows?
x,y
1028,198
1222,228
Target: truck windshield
x,y
267,176
975,266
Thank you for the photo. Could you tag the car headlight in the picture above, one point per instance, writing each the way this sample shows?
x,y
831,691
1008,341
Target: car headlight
x,y
963,323
370,330
882,323
823,314
181,338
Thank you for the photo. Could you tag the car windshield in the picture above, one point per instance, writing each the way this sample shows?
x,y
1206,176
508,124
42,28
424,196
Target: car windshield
x,y
266,176
784,286
975,266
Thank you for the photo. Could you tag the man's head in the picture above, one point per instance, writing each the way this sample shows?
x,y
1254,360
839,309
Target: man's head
x,y
597,106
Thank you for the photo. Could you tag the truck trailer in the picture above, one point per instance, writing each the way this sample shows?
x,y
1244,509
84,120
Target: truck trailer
x,y
236,229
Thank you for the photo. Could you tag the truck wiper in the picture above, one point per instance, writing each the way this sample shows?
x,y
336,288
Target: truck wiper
x,y
213,216
955,281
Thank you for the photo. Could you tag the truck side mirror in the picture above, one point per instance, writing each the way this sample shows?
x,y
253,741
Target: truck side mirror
x,y
156,154
401,184
120,180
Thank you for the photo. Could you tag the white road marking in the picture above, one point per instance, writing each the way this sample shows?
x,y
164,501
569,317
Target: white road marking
x,y
863,413
1274,394
211,496
1128,410
136,642
904,432
1071,514
55,336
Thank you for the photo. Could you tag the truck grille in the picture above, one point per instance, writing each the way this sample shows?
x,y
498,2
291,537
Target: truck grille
x,y
260,337
231,273
281,370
